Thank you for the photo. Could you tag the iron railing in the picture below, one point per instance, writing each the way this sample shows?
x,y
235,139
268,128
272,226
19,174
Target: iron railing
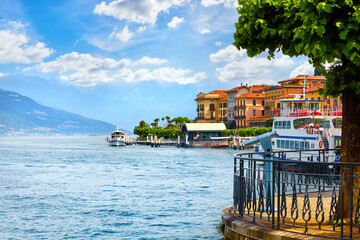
x,y
299,193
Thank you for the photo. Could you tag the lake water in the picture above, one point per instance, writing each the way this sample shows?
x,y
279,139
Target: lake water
x,y
80,188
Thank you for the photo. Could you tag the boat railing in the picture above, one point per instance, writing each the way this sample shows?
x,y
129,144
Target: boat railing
x,y
298,195
307,111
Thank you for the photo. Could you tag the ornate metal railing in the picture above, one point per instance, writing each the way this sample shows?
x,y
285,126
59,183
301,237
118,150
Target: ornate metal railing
x,y
298,195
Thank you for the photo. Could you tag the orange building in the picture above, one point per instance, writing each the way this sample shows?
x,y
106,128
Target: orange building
x,y
249,106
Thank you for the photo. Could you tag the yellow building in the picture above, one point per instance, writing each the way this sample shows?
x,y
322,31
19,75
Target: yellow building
x,y
289,88
211,107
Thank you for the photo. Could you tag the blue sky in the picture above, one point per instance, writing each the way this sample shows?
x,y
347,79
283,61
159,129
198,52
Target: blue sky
x,y
123,61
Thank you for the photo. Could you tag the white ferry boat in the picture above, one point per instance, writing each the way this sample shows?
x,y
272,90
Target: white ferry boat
x,y
305,126
117,138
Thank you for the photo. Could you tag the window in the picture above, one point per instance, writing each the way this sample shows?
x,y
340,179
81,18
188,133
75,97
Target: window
x,y
212,115
302,145
282,143
287,144
254,103
254,112
288,125
292,145
297,145
278,143
212,107
276,124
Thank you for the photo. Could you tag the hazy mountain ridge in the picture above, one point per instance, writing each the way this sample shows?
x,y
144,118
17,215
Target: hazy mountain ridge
x,y
20,115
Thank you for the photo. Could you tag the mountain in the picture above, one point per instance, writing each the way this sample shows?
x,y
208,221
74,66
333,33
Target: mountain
x,y
20,115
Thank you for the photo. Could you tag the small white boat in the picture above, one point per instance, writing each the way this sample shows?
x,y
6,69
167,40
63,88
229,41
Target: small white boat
x,y
117,138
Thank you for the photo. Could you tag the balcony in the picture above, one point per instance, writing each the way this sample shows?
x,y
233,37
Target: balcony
x,y
240,117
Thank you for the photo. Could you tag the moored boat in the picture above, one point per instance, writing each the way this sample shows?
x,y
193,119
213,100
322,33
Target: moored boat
x,y
117,138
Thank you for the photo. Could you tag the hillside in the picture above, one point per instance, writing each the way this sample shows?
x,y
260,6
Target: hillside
x,y
20,115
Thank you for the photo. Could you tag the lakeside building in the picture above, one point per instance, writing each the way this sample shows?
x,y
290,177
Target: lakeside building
x,y
211,107
290,87
232,94
249,106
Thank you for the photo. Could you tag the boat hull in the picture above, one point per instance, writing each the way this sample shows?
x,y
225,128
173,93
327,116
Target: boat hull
x,y
117,143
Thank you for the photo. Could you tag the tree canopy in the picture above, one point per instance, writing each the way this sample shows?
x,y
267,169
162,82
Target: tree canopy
x,y
324,31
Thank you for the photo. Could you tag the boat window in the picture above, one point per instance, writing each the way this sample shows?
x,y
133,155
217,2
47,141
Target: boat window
x,y
288,125
275,124
297,145
278,143
302,145
292,145
337,122
298,123
307,146
327,124
312,146
280,123
287,144
282,143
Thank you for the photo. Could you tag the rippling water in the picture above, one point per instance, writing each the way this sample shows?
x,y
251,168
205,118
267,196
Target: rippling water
x,y
79,187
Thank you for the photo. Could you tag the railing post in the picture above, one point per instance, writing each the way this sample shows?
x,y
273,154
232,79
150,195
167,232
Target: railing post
x,y
241,186
278,196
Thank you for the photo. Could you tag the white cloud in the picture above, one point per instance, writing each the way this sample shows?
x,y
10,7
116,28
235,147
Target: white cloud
x,y
141,29
175,22
17,48
204,30
125,35
166,74
226,3
219,43
3,74
82,69
86,71
304,69
140,11
242,69
228,54
149,61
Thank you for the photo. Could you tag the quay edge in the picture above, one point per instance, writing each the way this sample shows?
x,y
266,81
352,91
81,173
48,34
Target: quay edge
x,y
238,229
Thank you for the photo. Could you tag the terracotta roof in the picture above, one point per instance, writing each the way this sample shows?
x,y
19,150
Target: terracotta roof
x,y
256,88
301,77
291,95
222,94
252,95
236,88
312,89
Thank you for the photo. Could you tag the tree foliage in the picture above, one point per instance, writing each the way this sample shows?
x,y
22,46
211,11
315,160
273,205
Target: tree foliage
x,y
246,132
170,131
324,31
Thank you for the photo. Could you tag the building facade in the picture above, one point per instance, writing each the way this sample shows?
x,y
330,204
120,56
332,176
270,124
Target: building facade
x,y
249,106
232,94
209,109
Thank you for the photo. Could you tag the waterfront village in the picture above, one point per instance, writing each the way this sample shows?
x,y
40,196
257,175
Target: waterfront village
x,y
242,112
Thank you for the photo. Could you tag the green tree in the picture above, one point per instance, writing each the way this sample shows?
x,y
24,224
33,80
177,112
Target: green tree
x,y
324,31
180,120
142,123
